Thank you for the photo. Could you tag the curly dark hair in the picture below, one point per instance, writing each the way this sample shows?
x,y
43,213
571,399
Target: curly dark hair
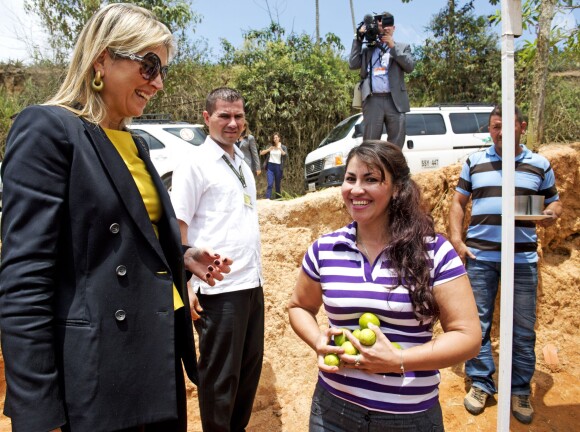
x,y
408,223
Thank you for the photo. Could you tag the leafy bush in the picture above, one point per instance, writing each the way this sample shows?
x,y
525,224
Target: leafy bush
x,y
292,86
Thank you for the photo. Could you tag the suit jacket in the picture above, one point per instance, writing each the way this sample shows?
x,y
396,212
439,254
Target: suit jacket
x,y
401,61
87,319
250,150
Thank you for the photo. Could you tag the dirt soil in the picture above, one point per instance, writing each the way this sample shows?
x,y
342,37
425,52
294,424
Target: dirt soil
x,y
289,371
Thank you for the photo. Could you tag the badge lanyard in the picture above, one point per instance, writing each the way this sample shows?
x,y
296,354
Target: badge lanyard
x,y
239,175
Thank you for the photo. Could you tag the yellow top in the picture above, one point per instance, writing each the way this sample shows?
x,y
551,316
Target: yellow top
x,y
123,142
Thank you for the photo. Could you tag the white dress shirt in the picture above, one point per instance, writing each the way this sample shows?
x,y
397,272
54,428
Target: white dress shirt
x,y
209,197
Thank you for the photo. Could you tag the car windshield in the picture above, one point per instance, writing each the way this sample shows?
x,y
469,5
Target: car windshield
x,y
340,131
190,134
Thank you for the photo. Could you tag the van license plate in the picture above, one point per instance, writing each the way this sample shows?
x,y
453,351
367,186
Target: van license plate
x,y
430,163
311,187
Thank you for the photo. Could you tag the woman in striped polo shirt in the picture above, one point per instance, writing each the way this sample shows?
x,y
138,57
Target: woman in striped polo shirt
x,y
388,261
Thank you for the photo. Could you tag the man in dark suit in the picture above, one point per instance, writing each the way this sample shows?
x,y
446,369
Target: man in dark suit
x,y
383,64
247,144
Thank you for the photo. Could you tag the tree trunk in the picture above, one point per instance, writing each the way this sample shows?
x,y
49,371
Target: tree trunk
x,y
451,4
352,16
317,22
451,36
540,73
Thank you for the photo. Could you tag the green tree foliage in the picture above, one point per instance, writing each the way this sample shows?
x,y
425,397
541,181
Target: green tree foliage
x,y
459,63
293,86
63,20
187,87
33,85
537,54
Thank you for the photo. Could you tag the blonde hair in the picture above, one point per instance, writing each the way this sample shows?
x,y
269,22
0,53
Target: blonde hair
x,y
119,27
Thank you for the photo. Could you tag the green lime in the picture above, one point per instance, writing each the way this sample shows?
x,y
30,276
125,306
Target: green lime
x,y
356,333
367,318
367,337
331,360
396,345
349,348
339,339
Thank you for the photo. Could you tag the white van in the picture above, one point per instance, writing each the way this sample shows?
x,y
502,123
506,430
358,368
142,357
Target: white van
x,y
436,137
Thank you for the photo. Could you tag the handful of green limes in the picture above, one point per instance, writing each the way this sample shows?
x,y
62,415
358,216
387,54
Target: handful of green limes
x,y
364,334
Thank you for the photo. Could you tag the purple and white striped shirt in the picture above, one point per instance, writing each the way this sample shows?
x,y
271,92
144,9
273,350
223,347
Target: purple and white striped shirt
x,y
351,286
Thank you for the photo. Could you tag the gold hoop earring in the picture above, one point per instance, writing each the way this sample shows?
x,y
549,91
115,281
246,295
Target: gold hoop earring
x,y
97,84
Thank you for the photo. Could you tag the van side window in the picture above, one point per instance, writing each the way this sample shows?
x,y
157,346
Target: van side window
x,y
425,124
469,123
483,122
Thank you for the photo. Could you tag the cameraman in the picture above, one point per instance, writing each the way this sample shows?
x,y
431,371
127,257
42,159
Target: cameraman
x,y
383,63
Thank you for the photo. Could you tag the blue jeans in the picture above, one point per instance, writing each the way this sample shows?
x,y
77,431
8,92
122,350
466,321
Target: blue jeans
x,y
274,175
485,277
331,414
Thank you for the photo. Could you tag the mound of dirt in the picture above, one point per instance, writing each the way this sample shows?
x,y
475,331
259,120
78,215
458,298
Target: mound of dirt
x,y
290,372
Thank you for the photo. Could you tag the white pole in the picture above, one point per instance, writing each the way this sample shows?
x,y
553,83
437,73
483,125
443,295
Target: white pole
x,y
510,16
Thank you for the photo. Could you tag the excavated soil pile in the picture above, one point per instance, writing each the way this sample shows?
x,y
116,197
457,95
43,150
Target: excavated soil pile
x,y
289,372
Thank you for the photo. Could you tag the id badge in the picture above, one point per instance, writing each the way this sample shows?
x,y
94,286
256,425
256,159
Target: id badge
x,y
248,200
379,71
385,59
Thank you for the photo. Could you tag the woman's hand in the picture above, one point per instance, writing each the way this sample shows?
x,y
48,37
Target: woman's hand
x,y
323,347
206,264
382,357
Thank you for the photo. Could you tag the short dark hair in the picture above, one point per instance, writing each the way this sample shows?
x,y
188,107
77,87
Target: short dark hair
x,y
387,19
497,111
221,93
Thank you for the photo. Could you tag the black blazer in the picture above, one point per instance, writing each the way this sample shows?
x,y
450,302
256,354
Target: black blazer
x,y
86,305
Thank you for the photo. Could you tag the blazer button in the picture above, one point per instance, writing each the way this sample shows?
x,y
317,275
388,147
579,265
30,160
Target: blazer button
x,y
120,315
115,228
121,270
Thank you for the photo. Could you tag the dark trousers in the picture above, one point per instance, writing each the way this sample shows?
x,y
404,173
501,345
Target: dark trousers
x,y
331,414
274,175
379,110
179,424
231,346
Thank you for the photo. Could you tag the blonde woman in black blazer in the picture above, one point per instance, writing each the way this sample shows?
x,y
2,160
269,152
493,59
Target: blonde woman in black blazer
x,y
95,314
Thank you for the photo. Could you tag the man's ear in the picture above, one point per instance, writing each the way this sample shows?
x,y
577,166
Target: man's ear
x,y
206,117
524,126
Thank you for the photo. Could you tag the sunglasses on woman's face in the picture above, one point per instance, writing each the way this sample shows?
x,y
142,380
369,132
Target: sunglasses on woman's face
x,y
150,65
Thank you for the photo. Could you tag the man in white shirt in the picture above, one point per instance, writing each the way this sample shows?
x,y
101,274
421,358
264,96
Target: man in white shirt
x,y
214,196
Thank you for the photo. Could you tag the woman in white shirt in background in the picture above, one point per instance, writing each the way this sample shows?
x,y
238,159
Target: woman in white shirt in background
x,y
274,165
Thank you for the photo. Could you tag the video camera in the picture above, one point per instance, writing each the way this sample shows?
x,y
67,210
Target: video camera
x,y
372,31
